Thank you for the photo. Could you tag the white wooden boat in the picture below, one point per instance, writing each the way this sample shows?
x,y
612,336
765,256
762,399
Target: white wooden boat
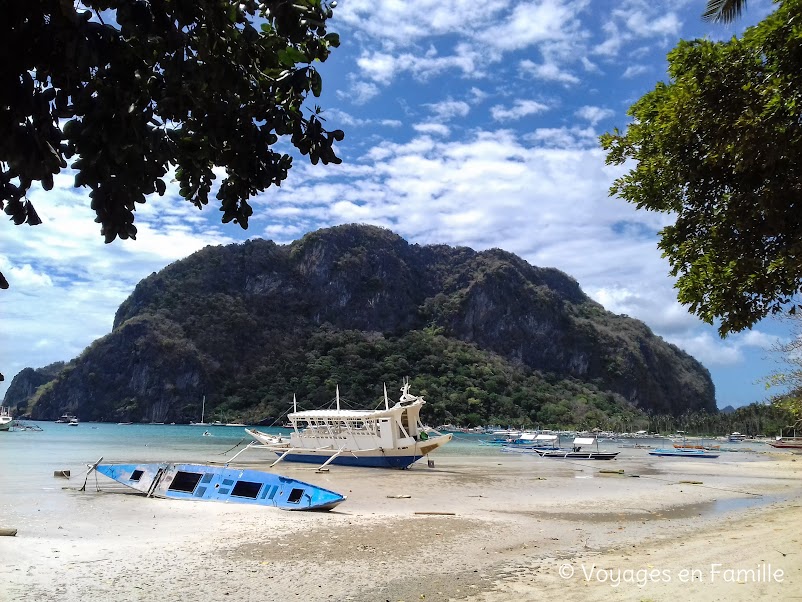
x,y
577,453
5,419
390,438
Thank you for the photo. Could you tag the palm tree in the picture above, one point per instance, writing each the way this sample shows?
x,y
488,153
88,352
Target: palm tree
x,y
723,11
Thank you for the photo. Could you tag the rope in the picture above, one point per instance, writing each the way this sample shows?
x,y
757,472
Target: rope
x,y
232,448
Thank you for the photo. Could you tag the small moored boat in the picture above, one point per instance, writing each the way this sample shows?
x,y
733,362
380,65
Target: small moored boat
x,y
683,452
787,443
576,452
5,419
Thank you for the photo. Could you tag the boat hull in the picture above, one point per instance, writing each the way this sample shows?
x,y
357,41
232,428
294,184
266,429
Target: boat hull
x,y
786,445
349,459
682,453
402,457
221,484
580,455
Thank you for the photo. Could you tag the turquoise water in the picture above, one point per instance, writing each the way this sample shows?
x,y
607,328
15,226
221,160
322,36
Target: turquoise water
x,y
37,454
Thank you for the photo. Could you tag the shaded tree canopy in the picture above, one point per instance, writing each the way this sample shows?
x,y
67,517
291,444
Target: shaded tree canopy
x,y
720,147
132,87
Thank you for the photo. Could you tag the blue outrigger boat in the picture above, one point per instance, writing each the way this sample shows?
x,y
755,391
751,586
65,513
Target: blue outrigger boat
x,y
220,483
683,452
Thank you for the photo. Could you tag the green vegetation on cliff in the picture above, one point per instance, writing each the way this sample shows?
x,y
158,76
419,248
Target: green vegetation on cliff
x,y
485,337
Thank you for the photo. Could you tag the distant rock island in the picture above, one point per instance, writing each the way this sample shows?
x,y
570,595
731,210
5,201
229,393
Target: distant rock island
x,y
486,337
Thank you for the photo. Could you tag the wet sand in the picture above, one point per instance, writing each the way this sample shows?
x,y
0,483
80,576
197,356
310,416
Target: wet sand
x,y
515,528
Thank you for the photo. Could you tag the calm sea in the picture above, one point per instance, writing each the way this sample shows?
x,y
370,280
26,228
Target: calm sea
x,y
31,457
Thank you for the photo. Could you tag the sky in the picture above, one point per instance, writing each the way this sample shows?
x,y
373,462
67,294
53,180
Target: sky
x,y
467,123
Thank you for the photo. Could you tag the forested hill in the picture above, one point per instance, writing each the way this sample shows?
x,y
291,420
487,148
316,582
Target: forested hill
x,y
486,337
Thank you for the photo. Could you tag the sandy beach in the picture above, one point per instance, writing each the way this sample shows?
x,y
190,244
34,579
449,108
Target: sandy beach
x,y
508,527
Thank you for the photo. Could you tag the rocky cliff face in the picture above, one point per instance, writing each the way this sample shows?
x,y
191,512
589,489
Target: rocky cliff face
x,y
24,385
205,323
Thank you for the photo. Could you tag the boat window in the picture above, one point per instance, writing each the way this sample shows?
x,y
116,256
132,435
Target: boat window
x,y
185,481
246,489
136,475
295,496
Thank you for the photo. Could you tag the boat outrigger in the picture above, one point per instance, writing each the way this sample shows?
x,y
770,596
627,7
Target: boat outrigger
x,y
576,452
390,438
219,483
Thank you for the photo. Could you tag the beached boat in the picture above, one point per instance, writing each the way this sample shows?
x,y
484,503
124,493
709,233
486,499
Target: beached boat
x,y
736,437
221,484
539,442
787,443
696,444
683,453
577,453
5,419
390,438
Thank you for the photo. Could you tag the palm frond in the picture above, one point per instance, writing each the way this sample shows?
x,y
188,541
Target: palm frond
x,y
723,11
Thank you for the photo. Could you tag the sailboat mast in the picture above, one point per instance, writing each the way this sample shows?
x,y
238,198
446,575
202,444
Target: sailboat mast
x,y
338,398
203,409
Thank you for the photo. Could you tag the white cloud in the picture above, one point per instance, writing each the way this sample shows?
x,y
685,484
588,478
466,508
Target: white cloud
x,y
359,92
593,114
566,138
548,72
519,109
448,109
634,71
437,129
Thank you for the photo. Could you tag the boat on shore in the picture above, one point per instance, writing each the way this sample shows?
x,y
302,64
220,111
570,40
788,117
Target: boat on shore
x,y
220,484
683,452
393,437
736,437
6,421
577,453
787,443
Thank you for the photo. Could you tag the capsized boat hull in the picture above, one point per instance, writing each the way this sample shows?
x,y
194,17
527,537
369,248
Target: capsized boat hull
x,y
221,484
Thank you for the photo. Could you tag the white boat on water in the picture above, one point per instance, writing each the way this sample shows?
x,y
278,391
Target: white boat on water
x,y
5,419
390,438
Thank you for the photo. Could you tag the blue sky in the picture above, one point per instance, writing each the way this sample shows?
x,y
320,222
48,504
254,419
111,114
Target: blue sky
x,y
466,123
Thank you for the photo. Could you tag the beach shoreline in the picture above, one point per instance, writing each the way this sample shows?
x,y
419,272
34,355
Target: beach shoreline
x,y
488,528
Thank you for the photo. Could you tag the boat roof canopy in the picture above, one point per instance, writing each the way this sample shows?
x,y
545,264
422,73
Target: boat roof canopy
x,y
352,414
584,441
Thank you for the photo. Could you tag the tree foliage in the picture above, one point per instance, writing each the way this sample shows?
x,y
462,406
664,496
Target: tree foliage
x,y
789,378
129,88
720,147
723,11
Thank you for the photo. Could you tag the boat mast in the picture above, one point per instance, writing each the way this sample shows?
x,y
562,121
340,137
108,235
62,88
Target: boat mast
x,y
386,402
338,398
203,409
